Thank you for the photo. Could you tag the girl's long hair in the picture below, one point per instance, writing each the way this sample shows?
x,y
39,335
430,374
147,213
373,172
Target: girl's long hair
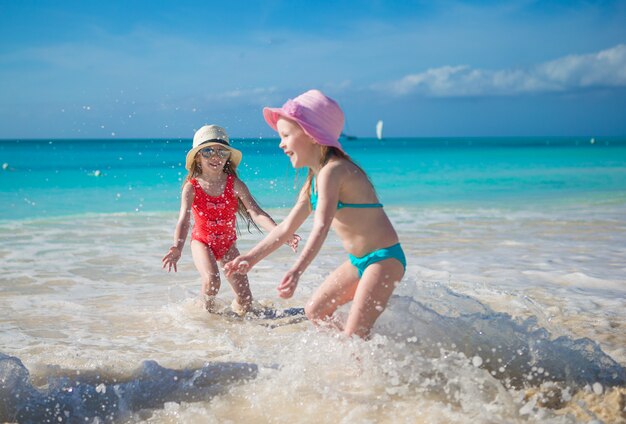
x,y
229,169
327,153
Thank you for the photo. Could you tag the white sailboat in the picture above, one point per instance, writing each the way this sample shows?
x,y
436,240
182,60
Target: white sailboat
x,y
379,130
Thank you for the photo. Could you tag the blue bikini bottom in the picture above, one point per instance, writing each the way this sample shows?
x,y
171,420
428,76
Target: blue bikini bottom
x,y
363,262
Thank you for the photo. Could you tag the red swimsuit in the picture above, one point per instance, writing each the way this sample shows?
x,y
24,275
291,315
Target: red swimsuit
x,y
214,218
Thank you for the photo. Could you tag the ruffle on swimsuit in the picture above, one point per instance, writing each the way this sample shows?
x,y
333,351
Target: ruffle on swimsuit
x,y
214,218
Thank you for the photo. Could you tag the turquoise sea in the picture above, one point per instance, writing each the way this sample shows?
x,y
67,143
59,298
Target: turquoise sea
x,y
45,178
512,309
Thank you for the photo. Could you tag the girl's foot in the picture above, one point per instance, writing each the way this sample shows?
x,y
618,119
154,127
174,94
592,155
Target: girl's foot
x,y
238,308
209,303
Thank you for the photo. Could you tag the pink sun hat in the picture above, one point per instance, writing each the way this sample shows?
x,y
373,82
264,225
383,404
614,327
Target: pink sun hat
x,y
319,116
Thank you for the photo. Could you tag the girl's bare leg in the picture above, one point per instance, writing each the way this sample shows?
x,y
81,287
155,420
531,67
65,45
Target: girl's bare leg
x,y
371,296
239,282
206,265
336,290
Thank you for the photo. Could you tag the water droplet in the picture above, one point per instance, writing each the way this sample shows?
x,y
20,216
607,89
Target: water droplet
x,y
597,388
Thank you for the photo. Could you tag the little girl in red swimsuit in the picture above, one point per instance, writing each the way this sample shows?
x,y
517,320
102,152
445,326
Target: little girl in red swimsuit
x,y
214,195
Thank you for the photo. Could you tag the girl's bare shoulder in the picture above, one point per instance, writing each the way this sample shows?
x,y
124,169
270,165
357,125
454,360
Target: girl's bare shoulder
x,y
188,187
238,184
335,168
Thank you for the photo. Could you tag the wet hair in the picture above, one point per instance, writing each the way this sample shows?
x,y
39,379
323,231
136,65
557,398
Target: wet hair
x,y
327,153
229,169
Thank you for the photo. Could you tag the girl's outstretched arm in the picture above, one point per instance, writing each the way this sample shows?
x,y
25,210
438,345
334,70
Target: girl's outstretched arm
x,y
182,228
328,196
277,236
259,216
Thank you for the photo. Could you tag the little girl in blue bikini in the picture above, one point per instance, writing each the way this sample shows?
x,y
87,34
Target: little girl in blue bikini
x,y
341,196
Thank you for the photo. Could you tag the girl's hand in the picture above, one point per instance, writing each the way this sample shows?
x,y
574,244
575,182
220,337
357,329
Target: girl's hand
x,y
287,287
170,259
239,265
293,242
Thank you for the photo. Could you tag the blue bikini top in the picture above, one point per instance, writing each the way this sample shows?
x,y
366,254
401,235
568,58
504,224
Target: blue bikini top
x,y
340,204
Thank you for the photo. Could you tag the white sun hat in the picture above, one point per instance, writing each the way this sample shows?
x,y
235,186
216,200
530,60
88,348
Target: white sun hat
x,y
211,135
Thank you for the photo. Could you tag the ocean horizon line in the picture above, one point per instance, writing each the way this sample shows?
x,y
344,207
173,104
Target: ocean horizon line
x,y
346,140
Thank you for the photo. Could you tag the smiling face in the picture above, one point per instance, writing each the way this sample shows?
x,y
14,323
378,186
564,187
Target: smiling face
x,y
212,159
298,145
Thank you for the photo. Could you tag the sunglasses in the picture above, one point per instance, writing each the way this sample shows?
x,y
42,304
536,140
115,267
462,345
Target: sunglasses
x,y
207,152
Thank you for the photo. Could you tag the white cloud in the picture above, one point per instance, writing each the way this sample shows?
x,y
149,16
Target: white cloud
x,y
606,68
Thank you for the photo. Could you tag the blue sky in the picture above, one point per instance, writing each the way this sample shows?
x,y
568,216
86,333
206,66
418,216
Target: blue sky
x,y
102,69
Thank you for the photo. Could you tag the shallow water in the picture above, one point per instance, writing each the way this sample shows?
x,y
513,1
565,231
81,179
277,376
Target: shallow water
x,y
504,315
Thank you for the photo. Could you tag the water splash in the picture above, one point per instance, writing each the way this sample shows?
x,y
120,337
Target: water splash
x,y
91,397
516,351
